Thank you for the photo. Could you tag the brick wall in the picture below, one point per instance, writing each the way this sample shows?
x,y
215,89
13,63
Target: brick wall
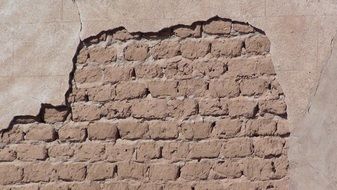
x,y
190,107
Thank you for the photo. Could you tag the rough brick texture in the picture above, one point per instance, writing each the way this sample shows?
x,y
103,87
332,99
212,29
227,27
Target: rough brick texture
x,y
190,107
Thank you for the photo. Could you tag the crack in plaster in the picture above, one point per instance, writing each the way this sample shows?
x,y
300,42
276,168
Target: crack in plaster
x,y
80,19
322,72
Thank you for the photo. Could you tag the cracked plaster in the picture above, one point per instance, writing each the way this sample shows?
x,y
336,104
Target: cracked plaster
x,y
39,39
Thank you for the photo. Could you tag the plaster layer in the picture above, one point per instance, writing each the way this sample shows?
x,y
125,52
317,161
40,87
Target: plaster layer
x,y
35,61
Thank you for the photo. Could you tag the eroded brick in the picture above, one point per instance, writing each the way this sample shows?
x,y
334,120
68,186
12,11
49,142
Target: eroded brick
x,y
71,171
228,48
156,172
131,170
100,171
165,49
163,130
196,130
132,129
218,26
41,132
102,131
192,49
9,174
195,170
136,51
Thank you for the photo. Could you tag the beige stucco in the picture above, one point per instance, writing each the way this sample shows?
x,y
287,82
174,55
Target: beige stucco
x,y
39,39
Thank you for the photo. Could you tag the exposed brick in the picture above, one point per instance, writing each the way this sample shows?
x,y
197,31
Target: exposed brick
x,y
163,130
55,114
132,129
228,47
190,107
85,186
165,49
261,126
118,185
122,35
156,172
175,151
14,135
114,74
24,187
212,68
72,133
213,107
77,95
195,87
177,186
136,51
238,147
243,67
147,151
131,170
196,130
151,186
264,65
227,128
211,185
118,109
10,173
54,186
100,171
7,154
30,152
182,108
89,152
209,149
130,90
218,27
82,56
258,169
268,146
178,69
192,49
228,169
86,112
102,131
88,74
41,132
100,94
102,54
195,170
224,88
257,44
244,28
282,128
60,151
150,109
163,88
256,86
242,107
38,172
120,152
71,171
281,165
278,107
185,31
148,71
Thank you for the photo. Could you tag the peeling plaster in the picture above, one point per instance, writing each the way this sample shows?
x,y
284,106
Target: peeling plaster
x,y
310,92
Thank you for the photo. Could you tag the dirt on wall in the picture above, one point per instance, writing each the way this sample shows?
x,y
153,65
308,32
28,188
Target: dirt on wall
x,y
189,107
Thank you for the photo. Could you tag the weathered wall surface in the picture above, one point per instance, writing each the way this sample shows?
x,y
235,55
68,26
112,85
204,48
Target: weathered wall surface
x,y
39,41
191,107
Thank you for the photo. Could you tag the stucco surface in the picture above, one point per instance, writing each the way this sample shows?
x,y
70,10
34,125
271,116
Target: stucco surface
x,y
39,39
